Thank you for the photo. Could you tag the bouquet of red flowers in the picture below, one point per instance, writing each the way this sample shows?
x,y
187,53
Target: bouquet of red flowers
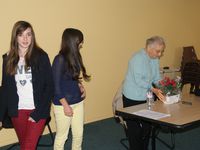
x,y
170,86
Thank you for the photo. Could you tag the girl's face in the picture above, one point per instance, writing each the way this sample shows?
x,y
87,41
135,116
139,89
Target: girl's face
x,y
24,39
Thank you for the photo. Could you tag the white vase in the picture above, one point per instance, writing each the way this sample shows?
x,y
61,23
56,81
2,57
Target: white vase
x,y
172,99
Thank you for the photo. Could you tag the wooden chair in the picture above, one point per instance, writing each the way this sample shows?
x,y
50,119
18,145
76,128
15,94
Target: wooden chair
x,y
191,74
189,55
190,68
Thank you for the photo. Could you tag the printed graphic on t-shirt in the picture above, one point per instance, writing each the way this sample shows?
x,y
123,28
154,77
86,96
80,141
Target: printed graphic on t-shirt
x,y
21,71
23,78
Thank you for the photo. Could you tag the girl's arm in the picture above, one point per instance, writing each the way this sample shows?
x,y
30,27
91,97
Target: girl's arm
x,y
66,107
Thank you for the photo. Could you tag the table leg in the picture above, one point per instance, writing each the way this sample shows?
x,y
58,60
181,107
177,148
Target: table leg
x,y
171,145
153,137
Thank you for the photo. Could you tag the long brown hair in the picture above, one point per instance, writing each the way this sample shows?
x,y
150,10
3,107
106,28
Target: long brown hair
x,y
13,56
71,40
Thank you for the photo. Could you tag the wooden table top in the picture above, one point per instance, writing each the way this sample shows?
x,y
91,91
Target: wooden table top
x,y
182,114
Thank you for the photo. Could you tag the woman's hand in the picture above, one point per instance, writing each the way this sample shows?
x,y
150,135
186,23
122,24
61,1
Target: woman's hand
x,y
158,93
68,111
82,89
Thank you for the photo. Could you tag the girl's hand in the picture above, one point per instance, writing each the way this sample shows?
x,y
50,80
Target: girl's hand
x,y
31,119
158,93
1,125
82,89
68,111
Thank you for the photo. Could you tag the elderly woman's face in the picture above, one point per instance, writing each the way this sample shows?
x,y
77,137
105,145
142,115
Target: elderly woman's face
x,y
156,50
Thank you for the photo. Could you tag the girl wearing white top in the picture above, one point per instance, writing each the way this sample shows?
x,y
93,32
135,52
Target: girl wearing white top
x,y
27,86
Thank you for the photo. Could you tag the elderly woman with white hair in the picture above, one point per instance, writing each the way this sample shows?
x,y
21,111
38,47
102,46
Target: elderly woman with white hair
x,y
143,72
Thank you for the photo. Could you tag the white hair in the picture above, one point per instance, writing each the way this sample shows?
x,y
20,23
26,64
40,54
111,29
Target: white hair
x,y
155,40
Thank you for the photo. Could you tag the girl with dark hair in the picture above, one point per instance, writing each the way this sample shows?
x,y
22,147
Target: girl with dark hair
x,y
27,85
68,70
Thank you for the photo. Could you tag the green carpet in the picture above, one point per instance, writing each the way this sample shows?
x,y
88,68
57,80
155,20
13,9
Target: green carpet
x,y
106,134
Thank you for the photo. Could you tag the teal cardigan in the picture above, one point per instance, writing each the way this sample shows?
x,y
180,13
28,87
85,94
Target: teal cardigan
x,y
142,72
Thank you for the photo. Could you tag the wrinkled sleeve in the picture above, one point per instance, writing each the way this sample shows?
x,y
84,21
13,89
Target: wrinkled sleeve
x,y
2,97
58,70
136,66
157,77
47,93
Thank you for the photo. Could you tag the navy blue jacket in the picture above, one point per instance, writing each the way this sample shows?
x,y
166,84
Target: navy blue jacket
x,y
42,88
65,86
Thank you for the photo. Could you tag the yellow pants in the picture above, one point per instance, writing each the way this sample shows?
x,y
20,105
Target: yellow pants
x,y
63,124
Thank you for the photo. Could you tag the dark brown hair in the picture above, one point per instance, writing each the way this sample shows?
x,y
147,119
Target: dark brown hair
x,y
13,56
71,40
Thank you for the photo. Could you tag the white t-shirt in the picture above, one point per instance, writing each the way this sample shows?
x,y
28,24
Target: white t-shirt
x,y
24,86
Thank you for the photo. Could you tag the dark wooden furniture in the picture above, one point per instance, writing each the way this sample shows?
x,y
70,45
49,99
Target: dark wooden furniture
x,y
190,68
